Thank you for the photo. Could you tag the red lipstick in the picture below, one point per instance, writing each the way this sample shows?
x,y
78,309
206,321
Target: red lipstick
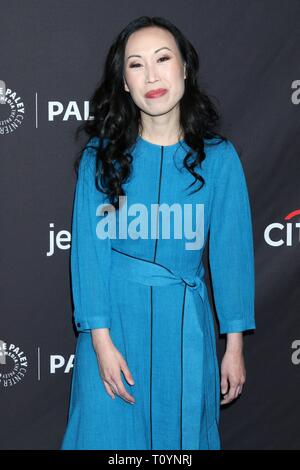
x,y
156,93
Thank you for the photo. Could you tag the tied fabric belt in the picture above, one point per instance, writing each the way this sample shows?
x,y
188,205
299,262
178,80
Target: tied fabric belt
x,y
153,274
198,406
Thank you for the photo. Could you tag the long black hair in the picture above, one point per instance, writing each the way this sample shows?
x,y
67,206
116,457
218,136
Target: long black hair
x,y
116,117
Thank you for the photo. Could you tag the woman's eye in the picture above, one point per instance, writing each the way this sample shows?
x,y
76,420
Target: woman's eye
x,y
164,57
135,65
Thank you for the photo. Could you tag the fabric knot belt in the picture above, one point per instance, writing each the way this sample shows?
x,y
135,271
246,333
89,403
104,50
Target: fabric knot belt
x,y
153,274
198,370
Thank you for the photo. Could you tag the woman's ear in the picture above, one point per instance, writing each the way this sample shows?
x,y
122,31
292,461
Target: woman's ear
x,y
185,74
125,84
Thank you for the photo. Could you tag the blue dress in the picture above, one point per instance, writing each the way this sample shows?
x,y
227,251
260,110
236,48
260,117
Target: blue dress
x,y
151,292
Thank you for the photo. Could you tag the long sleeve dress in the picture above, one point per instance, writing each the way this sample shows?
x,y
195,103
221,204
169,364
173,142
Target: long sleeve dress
x,y
149,289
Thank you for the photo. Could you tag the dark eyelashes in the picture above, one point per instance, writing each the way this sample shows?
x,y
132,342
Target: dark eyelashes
x,y
134,65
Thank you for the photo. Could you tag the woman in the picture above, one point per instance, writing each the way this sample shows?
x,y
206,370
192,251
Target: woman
x,y
141,302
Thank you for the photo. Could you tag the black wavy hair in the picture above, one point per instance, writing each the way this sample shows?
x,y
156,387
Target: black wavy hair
x,y
114,115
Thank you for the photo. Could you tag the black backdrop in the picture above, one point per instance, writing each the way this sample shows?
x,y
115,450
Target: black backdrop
x,y
52,54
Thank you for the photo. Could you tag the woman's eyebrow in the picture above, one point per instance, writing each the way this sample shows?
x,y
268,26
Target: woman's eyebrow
x,y
157,50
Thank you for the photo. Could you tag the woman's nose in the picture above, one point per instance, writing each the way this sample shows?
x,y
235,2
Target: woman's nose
x,y
151,74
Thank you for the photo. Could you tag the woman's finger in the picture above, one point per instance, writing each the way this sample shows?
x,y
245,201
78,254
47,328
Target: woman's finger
x,y
110,383
108,389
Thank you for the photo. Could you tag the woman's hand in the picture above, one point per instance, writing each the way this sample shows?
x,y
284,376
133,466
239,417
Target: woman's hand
x,y
233,372
111,363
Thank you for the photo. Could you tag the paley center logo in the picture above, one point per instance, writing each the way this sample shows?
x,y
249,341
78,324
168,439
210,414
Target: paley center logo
x,y
12,109
13,364
284,233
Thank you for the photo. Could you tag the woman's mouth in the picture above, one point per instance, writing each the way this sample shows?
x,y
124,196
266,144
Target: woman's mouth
x,y
156,93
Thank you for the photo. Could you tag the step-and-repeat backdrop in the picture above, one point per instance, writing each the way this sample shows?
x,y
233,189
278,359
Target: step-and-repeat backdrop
x,y
52,54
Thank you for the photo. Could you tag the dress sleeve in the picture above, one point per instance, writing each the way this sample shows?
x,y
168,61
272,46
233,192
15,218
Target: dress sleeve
x,y
231,251
90,255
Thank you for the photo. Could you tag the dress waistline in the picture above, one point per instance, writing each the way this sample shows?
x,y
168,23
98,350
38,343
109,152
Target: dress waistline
x,y
154,274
